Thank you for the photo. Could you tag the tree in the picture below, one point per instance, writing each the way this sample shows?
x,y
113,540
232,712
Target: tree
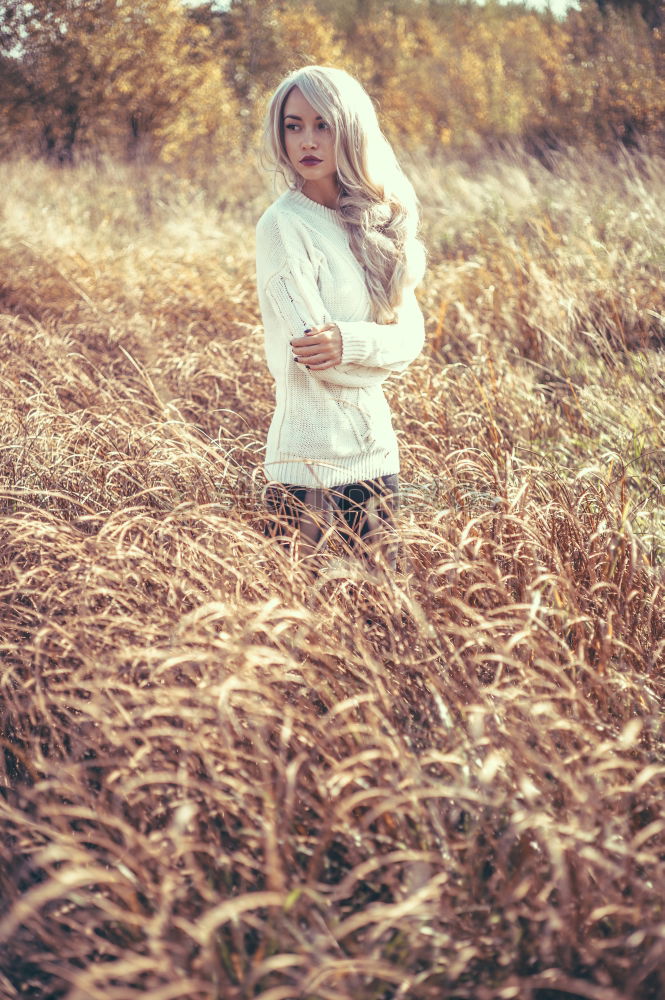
x,y
651,11
263,40
616,91
113,74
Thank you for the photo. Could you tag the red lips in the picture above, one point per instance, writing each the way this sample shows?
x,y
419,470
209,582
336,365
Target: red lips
x,y
311,160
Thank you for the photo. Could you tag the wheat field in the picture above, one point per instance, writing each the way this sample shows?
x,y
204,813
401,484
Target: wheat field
x,y
220,780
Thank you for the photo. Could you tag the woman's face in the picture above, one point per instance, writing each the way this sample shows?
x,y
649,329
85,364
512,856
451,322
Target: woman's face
x,y
308,140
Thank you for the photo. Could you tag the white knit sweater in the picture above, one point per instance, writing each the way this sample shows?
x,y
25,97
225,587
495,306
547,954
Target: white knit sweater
x,y
329,427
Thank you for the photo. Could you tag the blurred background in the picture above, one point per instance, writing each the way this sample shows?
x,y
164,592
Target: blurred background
x,y
185,83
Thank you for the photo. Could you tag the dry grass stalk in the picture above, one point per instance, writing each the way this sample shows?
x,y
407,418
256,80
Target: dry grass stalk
x,y
218,781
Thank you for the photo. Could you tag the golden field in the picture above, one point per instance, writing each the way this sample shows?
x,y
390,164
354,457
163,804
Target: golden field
x,y
221,781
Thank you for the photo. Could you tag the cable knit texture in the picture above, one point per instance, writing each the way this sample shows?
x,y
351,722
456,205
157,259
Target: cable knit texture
x,y
334,426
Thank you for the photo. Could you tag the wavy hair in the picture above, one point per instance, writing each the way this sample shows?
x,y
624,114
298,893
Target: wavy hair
x,y
377,204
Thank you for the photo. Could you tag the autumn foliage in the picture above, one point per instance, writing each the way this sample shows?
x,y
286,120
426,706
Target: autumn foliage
x,y
185,85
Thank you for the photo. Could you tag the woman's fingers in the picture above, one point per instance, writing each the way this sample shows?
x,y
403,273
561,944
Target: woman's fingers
x,y
312,343
321,365
321,347
315,354
318,361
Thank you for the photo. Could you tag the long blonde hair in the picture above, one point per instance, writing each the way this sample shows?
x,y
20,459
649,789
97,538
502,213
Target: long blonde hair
x,y
377,203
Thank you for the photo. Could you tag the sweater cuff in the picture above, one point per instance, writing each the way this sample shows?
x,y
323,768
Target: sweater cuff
x,y
354,345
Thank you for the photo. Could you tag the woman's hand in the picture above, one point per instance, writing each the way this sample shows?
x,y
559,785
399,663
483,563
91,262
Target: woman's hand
x,y
321,347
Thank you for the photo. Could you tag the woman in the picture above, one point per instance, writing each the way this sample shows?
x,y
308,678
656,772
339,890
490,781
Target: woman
x,y
337,261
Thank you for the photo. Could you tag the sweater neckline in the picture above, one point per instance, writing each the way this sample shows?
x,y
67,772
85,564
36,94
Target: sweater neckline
x,y
331,214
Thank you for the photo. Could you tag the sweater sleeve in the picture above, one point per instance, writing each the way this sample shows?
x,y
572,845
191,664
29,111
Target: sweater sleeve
x,y
393,345
371,352
294,295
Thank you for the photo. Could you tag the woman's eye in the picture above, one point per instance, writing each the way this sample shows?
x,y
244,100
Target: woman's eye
x,y
295,126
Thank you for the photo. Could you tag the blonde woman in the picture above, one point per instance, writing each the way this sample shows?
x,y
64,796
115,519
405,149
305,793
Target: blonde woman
x,y
337,260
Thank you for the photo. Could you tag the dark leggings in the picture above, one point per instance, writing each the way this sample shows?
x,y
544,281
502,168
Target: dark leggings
x,y
363,514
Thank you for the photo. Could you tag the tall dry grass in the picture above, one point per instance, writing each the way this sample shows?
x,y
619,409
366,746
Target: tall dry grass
x,y
221,781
